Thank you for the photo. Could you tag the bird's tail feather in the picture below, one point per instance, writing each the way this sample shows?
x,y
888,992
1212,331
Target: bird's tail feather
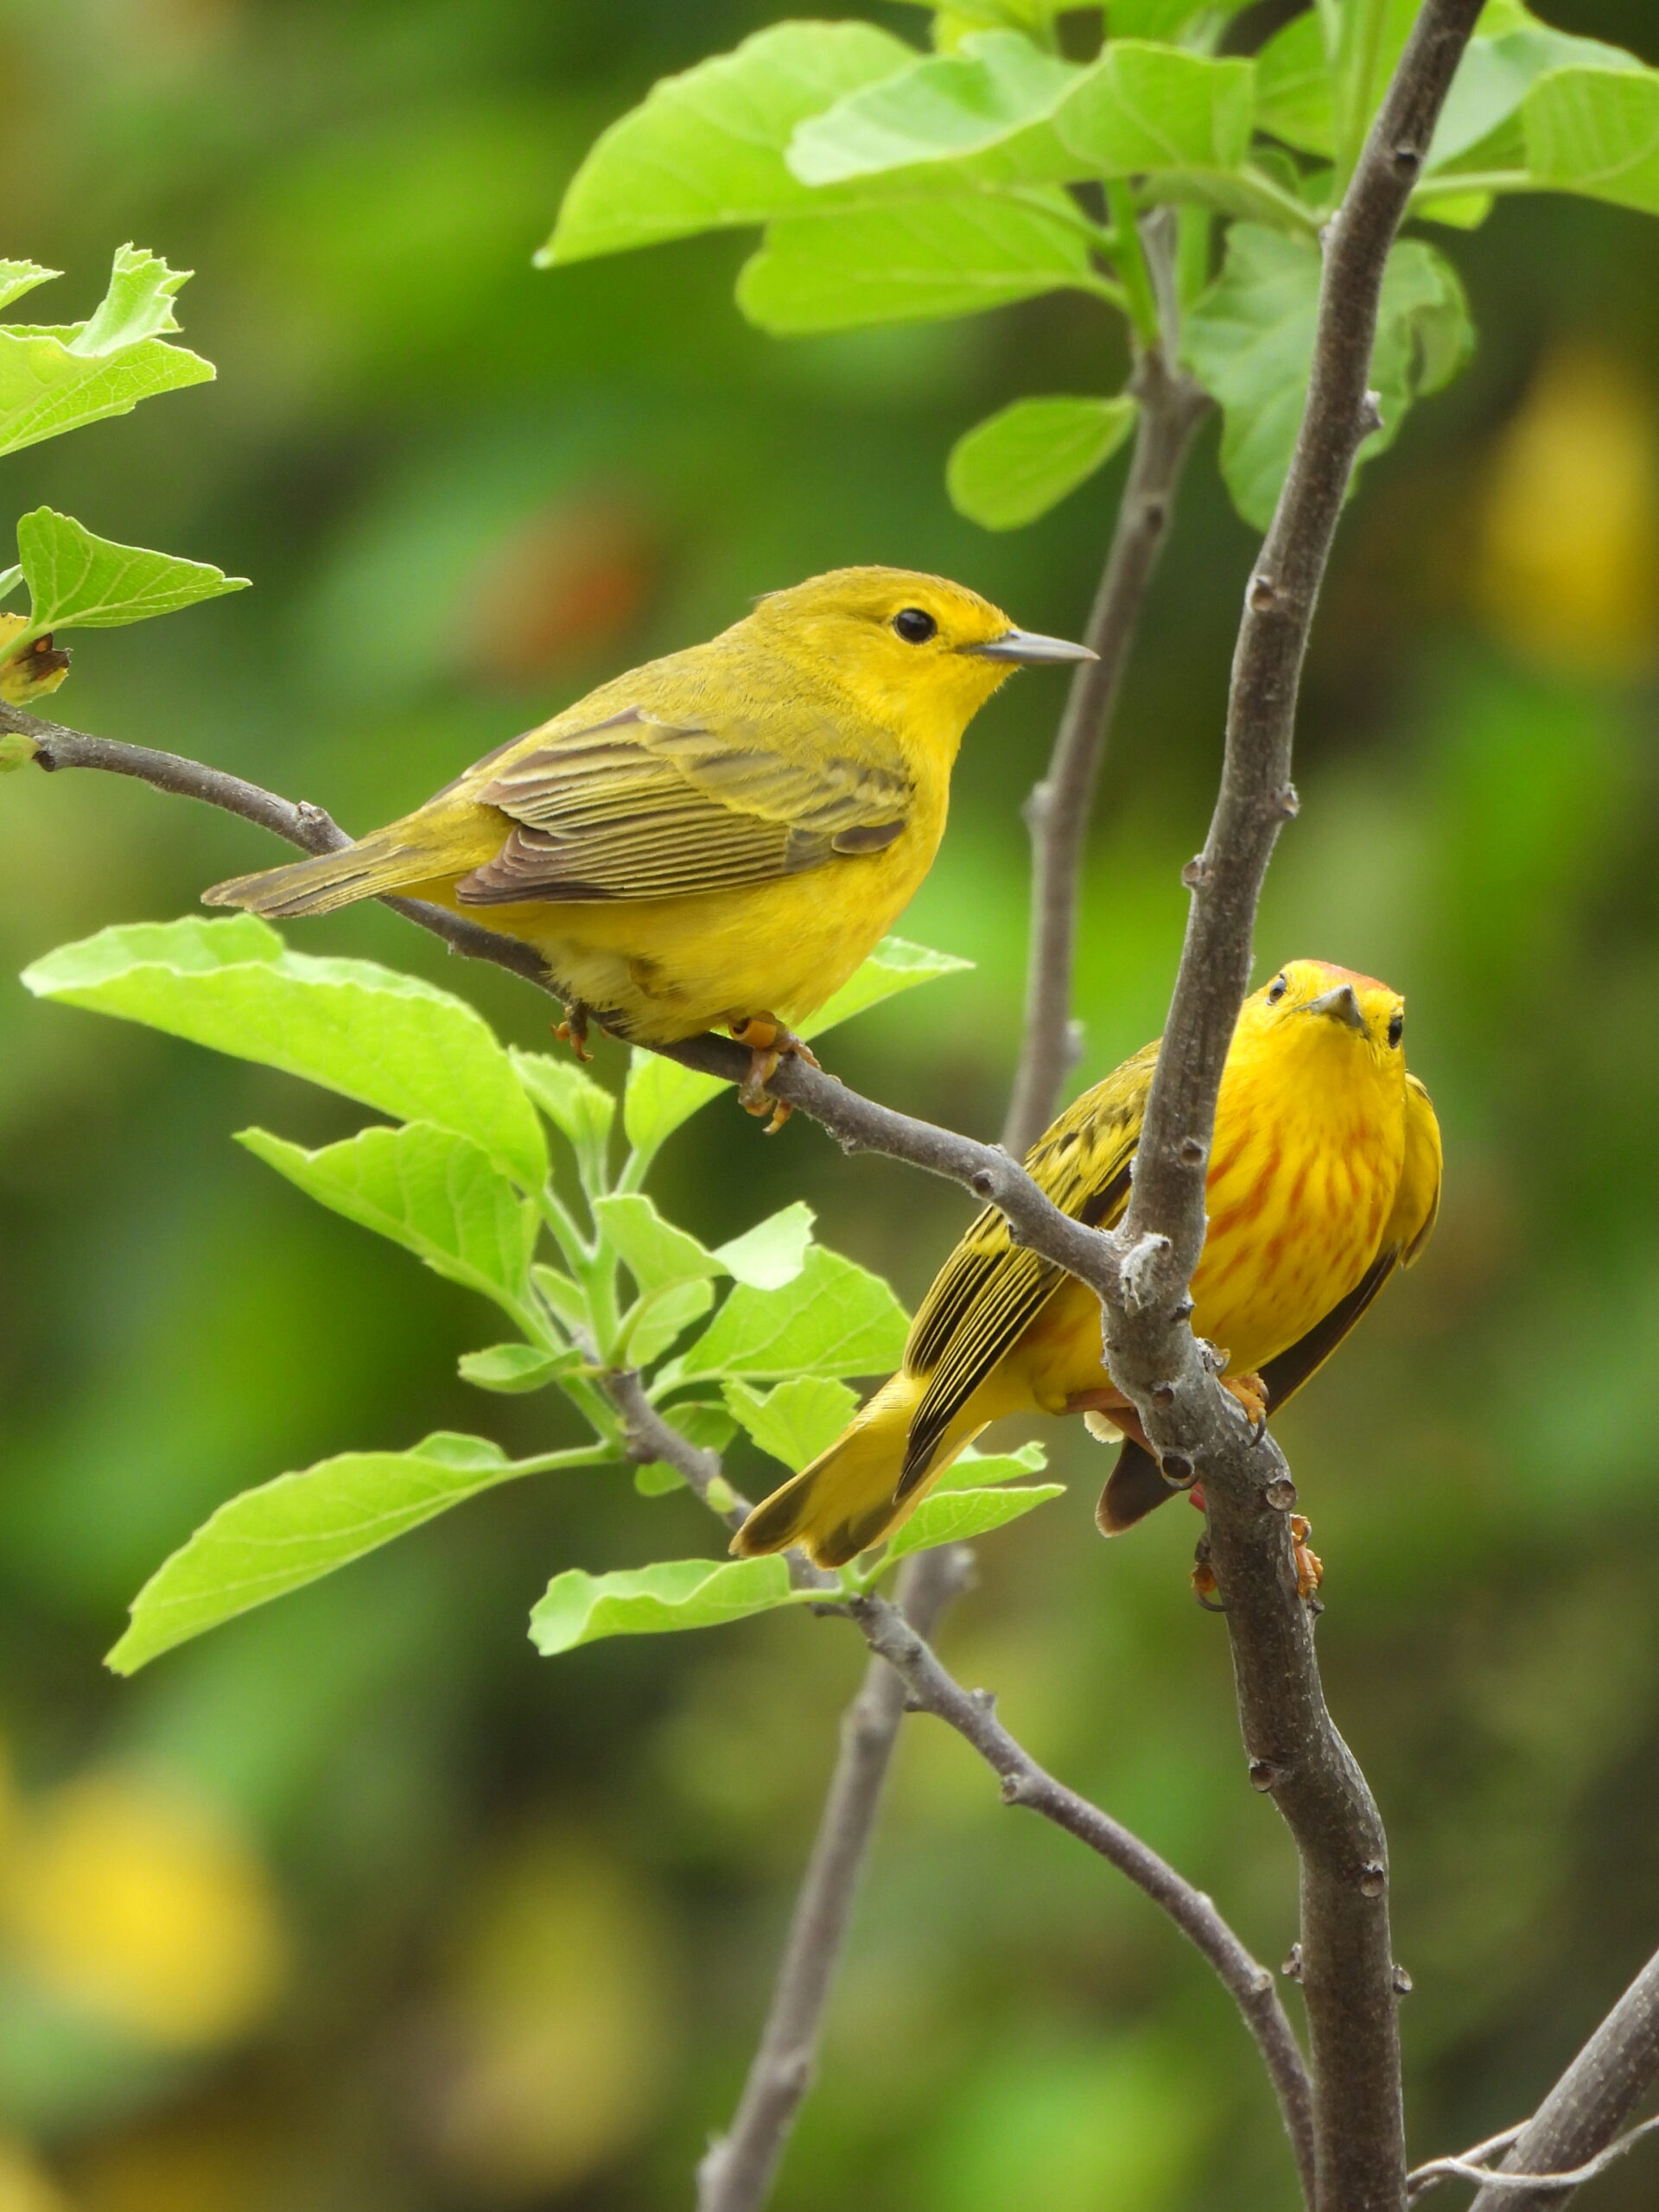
x,y
847,1499
385,861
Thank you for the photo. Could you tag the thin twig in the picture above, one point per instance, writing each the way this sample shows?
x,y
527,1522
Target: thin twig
x,y
933,1689
1578,2121
1503,2186
737,2171
1058,810
1348,1974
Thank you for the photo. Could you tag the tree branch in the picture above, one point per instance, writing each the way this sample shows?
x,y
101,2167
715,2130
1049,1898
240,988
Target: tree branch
x,y
1295,1752
1577,2123
737,2171
1058,810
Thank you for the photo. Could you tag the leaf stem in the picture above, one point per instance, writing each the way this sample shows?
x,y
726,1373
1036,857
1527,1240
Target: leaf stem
x,y
1139,301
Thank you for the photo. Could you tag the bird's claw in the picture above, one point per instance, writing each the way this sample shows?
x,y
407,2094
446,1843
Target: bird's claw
x,y
769,1042
573,1030
1310,1567
1251,1394
1205,1588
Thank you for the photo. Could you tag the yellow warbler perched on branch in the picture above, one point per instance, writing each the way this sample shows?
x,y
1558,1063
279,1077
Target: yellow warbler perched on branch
x,y
718,837
1324,1176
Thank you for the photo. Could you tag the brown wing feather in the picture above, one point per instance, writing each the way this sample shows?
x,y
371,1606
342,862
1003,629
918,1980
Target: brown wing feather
x,y
636,807
990,1290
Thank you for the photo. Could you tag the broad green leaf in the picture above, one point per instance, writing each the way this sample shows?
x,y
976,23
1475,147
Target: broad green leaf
x,y
896,965
514,1369
913,261
78,581
703,1422
17,277
567,1298
1019,462
288,1532
1250,342
1596,131
796,1421
974,1471
1293,86
1148,107
662,1316
56,378
426,1189
834,1318
654,1252
773,1252
389,1040
952,1516
982,109
1164,19
705,150
660,1094
579,1608
573,1102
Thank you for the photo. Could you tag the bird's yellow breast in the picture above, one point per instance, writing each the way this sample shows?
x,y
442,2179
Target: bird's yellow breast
x,y
1305,1166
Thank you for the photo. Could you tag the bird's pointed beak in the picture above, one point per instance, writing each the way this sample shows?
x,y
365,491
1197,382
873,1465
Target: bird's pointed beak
x,y
1027,649
1341,1005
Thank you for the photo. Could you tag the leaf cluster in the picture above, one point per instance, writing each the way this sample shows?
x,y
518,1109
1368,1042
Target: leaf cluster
x,y
893,185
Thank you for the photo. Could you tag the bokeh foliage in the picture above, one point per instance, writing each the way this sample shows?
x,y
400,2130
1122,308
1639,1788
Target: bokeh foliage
x,y
361,1903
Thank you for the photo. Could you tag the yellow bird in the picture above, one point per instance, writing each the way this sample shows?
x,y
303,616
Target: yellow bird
x,y
718,837
1324,1176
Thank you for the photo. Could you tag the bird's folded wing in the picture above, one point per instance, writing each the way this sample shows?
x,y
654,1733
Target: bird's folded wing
x,y
1404,1234
990,1290
637,807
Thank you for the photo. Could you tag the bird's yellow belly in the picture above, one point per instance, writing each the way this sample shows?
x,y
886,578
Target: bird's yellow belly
x,y
1296,1215
660,970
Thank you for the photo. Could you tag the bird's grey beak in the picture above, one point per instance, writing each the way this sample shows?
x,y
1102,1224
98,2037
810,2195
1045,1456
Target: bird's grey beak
x,y
1028,649
1341,1005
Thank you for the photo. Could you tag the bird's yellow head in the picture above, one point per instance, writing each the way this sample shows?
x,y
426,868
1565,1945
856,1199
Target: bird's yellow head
x,y
916,653
1330,1020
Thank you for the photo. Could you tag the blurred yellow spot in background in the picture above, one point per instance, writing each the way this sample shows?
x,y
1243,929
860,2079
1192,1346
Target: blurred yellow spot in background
x,y
1568,570
558,2024
24,2187
139,1902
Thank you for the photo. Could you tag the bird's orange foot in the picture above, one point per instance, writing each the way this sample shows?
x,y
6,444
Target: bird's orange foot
x,y
769,1042
1310,1567
573,1030
1205,1588
1251,1393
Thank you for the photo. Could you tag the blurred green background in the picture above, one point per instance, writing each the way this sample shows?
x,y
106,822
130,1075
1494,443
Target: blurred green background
x,y
358,1904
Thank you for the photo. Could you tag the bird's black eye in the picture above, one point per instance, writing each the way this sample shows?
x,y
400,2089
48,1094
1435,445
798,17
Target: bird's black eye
x,y
915,625
1396,1026
1277,990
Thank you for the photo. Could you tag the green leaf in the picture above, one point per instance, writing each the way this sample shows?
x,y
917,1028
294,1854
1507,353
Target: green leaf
x,y
1163,19
513,1369
834,1318
1596,131
389,1040
78,581
1148,107
662,1316
1019,462
17,277
989,99
579,1608
773,1252
428,1190
913,260
573,1102
290,1532
1250,341
705,150
896,966
56,378
9,580
952,1516
654,1252
975,1470
1293,86
567,1298
796,1421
